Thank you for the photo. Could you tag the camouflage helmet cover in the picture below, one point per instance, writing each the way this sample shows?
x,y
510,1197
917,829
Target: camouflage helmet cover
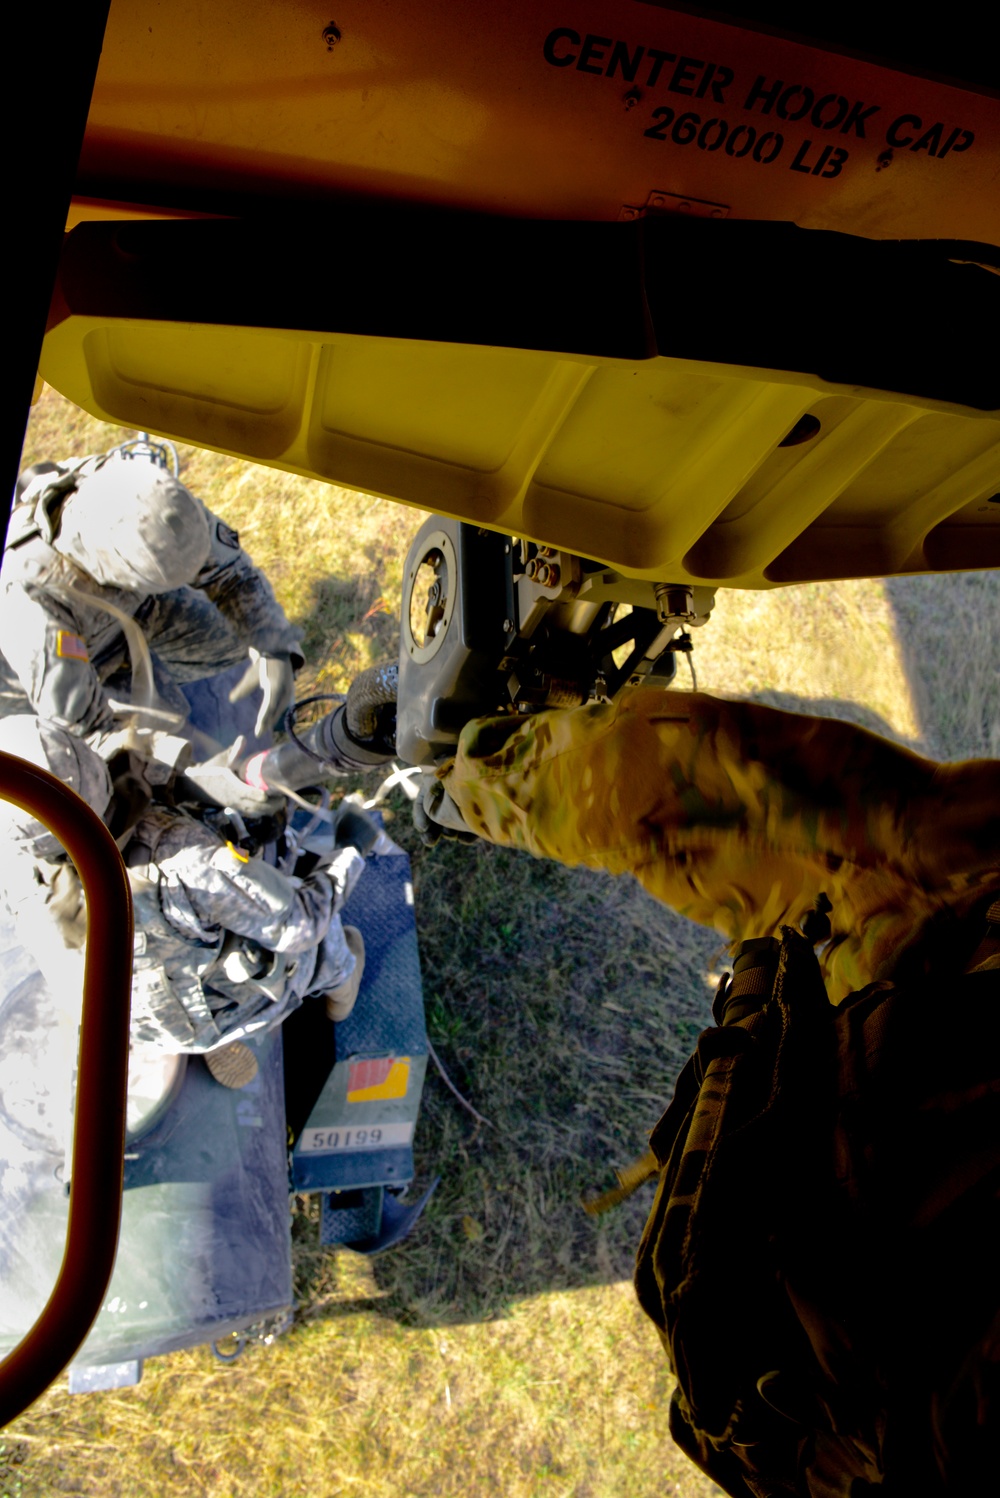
x,y
131,525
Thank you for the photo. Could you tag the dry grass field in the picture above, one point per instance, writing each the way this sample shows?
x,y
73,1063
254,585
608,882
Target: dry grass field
x,y
499,1351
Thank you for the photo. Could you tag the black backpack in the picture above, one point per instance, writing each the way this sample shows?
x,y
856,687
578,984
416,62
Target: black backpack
x,y
822,1258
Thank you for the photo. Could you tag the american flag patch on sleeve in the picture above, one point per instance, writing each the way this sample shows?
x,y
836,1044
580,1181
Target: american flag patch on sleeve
x,y
71,647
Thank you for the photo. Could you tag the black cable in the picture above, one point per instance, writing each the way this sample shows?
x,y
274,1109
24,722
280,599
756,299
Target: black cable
x,y
289,725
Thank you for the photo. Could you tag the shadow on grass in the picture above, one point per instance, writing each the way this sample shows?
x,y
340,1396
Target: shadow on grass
x,y
948,627
831,707
347,626
562,1004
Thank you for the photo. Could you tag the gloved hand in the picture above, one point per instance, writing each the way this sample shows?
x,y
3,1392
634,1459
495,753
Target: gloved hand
x,y
435,814
275,677
350,828
353,828
217,783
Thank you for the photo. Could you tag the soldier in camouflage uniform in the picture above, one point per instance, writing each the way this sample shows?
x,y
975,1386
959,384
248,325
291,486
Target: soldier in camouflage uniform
x,y
226,945
820,1257
741,817
107,548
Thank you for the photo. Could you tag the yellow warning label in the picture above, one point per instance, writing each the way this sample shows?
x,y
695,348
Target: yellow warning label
x,y
378,1080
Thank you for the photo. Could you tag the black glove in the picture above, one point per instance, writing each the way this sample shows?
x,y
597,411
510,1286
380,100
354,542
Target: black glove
x,y
435,815
350,828
355,829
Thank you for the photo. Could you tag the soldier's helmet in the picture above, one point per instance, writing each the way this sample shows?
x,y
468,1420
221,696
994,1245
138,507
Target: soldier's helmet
x,y
69,759
131,525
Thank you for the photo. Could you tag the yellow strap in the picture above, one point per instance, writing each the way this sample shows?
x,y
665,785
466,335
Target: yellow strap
x,y
630,1178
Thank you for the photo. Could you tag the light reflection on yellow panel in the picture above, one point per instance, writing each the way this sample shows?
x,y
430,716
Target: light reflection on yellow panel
x,y
432,397
186,359
780,461
171,377
668,432
924,456
666,468
803,493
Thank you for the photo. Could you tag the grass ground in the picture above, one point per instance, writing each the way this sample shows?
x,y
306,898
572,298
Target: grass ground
x,y
499,1351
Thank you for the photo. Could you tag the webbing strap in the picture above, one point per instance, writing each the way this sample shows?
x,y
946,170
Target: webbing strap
x,y
630,1178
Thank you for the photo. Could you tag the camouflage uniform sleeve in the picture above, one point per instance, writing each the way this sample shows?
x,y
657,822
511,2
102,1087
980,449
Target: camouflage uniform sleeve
x,y
243,594
740,816
43,642
54,945
210,885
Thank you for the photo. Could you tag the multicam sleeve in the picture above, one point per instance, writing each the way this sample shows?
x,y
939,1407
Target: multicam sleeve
x,y
243,594
740,816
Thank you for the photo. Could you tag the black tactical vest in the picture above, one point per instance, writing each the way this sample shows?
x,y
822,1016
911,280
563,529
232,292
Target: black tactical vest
x,y
822,1255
